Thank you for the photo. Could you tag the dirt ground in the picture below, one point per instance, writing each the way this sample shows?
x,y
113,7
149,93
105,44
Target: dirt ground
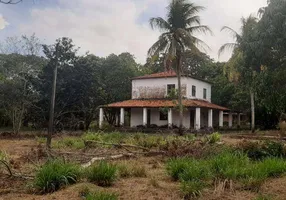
x,y
22,154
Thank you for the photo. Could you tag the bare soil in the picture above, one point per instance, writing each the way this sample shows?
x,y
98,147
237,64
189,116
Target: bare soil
x,y
25,156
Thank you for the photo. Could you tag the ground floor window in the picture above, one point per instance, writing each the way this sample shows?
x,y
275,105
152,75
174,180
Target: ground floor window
x,y
163,116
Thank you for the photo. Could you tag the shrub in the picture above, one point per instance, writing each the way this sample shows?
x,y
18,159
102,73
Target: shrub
x,y
192,188
177,166
214,138
103,174
101,196
55,174
196,170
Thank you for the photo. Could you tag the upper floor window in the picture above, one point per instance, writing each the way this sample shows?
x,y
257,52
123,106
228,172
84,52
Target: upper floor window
x,y
170,88
205,93
193,91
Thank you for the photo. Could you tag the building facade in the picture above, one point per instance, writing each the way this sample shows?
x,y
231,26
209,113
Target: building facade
x,y
153,103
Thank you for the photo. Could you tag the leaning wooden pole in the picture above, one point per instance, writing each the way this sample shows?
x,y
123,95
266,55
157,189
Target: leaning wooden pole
x,y
52,109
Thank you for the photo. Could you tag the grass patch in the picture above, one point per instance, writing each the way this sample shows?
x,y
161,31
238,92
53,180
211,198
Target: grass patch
x,y
129,169
103,173
69,142
228,165
101,196
55,174
192,188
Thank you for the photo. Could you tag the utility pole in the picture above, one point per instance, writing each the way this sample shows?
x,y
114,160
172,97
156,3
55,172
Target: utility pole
x,y
52,108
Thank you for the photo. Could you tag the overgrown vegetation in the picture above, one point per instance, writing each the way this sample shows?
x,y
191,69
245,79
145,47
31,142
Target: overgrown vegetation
x,y
87,194
102,173
55,174
194,175
129,169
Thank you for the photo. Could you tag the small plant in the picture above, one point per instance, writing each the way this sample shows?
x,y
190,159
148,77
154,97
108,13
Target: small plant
x,y
139,171
131,169
103,174
177,166
69,142
55,174
263,197
100,196
214,138
196,170
192,188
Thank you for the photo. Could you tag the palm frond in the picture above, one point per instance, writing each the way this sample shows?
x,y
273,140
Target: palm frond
x,y
159,23
227,46
193,20
200,29
191,9
160,46
234,34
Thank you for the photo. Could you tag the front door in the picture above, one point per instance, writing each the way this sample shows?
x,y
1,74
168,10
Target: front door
x,y
192,119
148,118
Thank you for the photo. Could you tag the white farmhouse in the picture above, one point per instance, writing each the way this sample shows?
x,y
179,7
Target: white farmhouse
x,y
150,104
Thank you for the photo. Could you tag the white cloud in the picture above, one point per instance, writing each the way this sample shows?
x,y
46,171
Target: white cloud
x,y
111,26
3,22
101,27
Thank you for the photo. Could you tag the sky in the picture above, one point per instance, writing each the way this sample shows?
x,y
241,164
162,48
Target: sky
x,y
103,27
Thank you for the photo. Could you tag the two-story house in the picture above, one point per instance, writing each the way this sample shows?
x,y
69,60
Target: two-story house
x,y
150,104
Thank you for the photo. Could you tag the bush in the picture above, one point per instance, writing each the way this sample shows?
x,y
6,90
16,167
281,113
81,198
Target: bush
x,y
196,170
192,188
261,150
177,166
103,174
55,174
101,196
214,138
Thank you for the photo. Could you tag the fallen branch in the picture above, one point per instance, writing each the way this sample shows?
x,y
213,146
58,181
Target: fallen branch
x,y
89,143
6,164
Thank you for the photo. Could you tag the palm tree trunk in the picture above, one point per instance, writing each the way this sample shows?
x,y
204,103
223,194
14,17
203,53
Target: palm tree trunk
x,y
52,108
181,116
252,111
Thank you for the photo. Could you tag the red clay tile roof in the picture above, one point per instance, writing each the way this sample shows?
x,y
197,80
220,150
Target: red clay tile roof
x,y
135,103
158,75
166,74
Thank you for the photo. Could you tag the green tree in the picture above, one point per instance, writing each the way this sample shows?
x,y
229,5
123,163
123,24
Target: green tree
x,y
238,67
177,37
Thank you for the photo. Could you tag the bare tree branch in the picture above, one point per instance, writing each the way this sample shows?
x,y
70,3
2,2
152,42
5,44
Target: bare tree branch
x,y
10,1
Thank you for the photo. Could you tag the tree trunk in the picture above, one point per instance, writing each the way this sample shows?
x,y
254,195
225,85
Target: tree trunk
x,y
252,111
181,116
52,108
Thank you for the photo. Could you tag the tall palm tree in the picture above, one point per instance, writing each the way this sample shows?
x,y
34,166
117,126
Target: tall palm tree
x,y
247,27
177,36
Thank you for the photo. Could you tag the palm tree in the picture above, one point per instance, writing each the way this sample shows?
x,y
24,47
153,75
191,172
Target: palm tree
x,y
177,37
247,27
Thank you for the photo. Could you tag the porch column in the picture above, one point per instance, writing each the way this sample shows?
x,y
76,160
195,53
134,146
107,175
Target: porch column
x,y
220,119
210,119
238,120
198,119
170,118
144,116
230,120
121,116
100,117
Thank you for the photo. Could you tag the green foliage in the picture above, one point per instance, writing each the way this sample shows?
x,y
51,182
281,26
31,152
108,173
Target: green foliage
x,y
103,173
214,138
101,196
261,150
264,197
55,174
192,188
175,167
69,142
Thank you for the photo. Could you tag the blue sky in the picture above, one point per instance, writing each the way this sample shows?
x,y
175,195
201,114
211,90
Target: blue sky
x,y
114,26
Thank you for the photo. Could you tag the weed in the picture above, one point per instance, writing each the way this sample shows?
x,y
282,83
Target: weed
x,y
55,174
214,138
103,174
126,170
101,196
69,142
263,197
177,166
192,188
139,171
196,170
153,181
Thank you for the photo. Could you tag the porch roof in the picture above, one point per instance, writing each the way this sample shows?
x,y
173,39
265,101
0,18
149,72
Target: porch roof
x,y
158,103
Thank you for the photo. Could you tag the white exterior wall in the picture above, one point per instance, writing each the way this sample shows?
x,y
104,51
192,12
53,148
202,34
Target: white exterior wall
x,y
200,85
137,118
157,87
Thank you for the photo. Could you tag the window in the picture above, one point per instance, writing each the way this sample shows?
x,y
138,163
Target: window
x,y
170,88
205,93
163,116
193,91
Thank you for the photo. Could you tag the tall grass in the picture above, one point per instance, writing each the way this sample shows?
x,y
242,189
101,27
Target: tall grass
x,y
103,173
101,196
55,174
228,165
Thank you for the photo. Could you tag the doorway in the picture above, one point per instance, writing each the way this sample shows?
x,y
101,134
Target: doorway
x,y
148,118
192,119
